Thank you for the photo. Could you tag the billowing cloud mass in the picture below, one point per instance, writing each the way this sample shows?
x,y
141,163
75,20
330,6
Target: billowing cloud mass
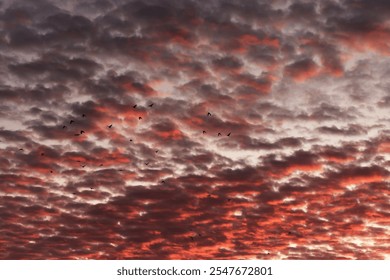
x,y
194,129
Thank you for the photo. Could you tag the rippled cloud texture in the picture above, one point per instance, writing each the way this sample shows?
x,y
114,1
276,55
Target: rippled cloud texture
x,y
194,129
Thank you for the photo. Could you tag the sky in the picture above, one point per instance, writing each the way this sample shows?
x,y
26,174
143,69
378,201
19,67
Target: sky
x,y
194,129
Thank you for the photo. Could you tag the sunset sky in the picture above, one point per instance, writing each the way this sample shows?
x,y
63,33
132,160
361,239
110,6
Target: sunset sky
x,y
261,129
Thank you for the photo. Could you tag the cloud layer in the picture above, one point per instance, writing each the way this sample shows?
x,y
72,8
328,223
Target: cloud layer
x,y
194,130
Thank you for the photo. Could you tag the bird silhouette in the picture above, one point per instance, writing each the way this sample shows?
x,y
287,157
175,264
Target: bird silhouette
x,y
42,154
163,182
109,126
156,151
151,105
135,106
208,114
83,165
64,127
204,131
83,115
76,134
82,131
140,118
21,149
146,163
219,134
51,171
71,121
229,134
131,140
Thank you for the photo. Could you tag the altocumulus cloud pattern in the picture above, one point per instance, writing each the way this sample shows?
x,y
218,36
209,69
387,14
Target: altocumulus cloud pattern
x,y
194,129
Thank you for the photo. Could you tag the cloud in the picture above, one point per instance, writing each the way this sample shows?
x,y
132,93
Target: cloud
x,y
194,130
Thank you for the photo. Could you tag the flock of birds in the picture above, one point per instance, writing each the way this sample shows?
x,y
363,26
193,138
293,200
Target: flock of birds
x,y
110,126
139,118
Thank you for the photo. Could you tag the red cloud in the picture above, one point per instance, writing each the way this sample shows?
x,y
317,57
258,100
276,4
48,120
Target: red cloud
x,y
301,70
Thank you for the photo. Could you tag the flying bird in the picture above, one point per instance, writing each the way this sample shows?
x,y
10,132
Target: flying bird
x,y
140,118
82,131
21,149
151,105
208,114
204,131
131,140
156,151
42,154
76,134
135,106
71,121
83,115
64,127
163,182
146,163
229,134
109,126
219,134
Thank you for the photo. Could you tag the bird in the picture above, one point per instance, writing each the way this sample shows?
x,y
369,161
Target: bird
x,y
204,131
82,131
192,238
140,118
109,126
219,134
229,199
135,106
83,115
162,182
151,105
42,154
51,171
229,134
64,127
131,140
71,121
146,163
76,134
21,149
208,114
156,151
